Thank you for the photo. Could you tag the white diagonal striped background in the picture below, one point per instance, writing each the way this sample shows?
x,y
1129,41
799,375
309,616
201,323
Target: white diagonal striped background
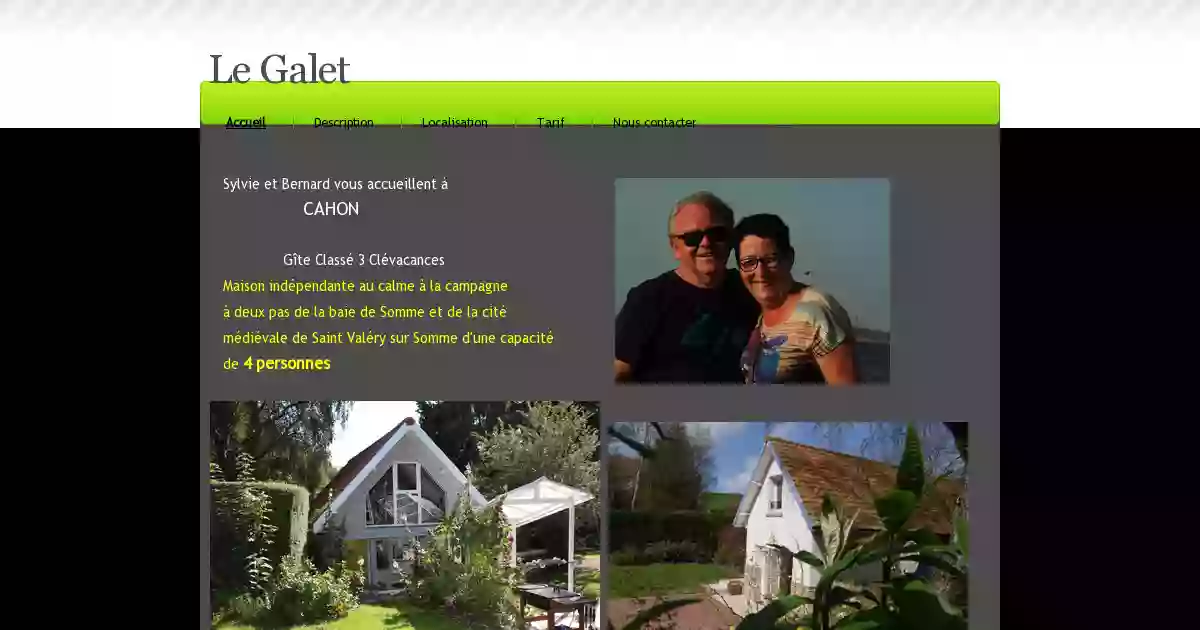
x,y
1084,64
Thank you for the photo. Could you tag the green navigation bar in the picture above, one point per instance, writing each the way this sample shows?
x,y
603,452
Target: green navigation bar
x,y
601,104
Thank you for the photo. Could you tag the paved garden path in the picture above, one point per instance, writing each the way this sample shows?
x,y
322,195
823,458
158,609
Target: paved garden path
x,y
706,614
739,603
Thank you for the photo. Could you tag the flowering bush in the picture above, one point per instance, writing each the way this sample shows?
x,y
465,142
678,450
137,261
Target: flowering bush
x,y
304,595
462,567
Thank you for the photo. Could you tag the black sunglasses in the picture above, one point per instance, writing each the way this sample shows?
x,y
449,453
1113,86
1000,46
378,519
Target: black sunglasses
x,y
717,234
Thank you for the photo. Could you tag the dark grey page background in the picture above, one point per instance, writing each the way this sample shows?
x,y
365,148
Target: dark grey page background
x,y
534,208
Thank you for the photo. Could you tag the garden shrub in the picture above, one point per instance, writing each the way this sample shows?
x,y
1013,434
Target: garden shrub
x,y
330,547
662,552
261,519
626,557
637,529
355,552
242,533
259,532
247,607
289,513
462,568
304,595
731,547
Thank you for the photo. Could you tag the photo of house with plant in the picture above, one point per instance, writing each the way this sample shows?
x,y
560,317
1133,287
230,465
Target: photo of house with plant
x,y
832,523
419,514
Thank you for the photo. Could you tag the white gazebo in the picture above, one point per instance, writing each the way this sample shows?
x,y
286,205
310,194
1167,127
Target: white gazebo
x,y
537,500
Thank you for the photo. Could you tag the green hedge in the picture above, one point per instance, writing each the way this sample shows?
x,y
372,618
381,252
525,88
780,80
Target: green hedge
x,y
289,514
629,529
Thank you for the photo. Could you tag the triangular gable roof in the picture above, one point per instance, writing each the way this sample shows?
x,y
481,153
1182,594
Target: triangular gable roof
x,y
537,500
349,471
851,481
355,472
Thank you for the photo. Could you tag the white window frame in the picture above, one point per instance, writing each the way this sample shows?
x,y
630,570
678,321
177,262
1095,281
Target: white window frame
x,y
775,499
415,494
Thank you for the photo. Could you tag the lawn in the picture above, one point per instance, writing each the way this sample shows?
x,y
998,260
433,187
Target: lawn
x,y
587,576
376,617
664,579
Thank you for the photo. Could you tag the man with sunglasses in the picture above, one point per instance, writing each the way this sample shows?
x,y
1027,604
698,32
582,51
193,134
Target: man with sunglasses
x,y
690,324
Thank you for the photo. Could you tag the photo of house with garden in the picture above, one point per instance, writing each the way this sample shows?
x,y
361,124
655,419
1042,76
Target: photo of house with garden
x,y
422,515
816,524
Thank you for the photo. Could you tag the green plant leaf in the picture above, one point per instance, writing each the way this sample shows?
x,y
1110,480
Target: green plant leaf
x,y
847,531
656,611
808,558
962,535
939,561
807,622
950,550
864,624
895,508
857,556
828,505
768,618
920,605
910,475
870,596
871,619
844,595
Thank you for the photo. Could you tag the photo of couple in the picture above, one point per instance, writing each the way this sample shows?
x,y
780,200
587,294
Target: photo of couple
x,y
764,319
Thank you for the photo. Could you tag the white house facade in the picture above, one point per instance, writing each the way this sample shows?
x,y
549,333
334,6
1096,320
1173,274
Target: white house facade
x,y
772,513
782,504
405,489
402,486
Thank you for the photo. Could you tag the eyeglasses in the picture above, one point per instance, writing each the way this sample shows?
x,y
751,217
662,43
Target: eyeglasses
x,y
718,234
750,263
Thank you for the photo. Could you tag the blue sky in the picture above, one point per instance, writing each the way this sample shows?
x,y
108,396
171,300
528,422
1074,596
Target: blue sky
x,y
737,445
367,422
840,229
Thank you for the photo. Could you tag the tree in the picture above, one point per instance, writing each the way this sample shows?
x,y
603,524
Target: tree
x,y
556,440
640,438
679,471
452,425
455,425
622,475
288,440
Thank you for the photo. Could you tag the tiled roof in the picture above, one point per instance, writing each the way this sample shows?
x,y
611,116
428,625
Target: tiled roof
x,y
853,482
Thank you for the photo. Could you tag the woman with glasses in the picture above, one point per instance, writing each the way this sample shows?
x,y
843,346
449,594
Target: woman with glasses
x,y
803,335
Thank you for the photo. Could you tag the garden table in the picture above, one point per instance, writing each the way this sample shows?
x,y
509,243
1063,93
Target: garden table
x,y
553,599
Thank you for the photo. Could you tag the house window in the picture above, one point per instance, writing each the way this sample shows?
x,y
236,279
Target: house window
x,y
406,495
392,554
381,506
433,499
381,555
775,503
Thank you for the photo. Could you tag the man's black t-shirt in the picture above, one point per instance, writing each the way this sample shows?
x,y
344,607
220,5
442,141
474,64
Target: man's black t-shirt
x,y
671,331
